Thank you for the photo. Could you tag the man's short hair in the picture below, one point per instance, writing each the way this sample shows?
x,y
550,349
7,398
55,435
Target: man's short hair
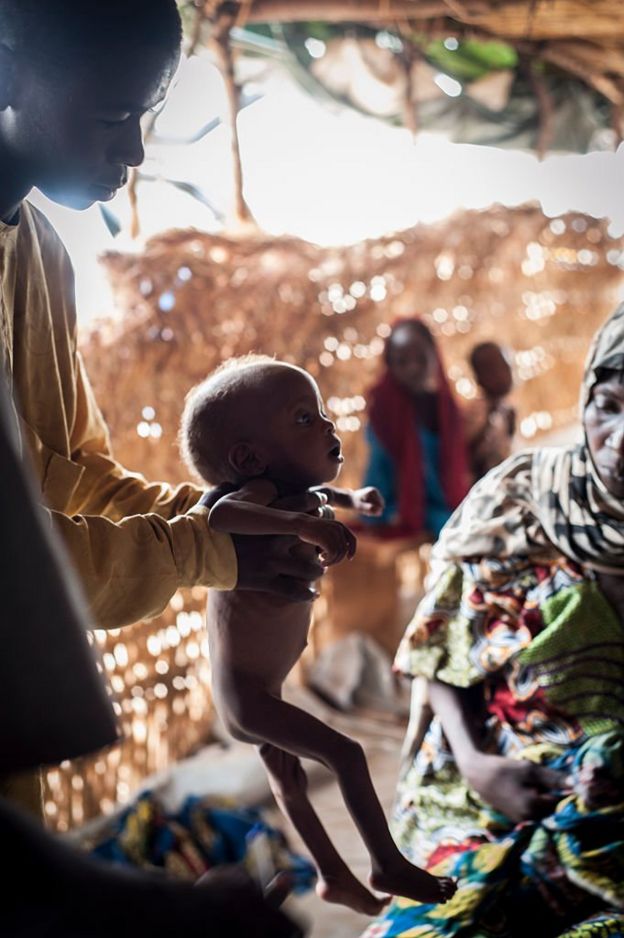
x,y
52,30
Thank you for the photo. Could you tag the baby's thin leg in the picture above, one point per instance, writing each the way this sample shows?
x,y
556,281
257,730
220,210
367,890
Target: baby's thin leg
x,y
336,882
267,717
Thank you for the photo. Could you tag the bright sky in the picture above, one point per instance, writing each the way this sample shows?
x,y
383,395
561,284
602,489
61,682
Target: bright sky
x,y
326,174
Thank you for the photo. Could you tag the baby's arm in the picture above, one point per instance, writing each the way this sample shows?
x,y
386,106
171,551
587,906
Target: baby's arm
x,y
249,511
367,501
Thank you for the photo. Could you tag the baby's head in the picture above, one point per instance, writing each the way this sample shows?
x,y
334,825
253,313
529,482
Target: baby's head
x,y
491,369
257,417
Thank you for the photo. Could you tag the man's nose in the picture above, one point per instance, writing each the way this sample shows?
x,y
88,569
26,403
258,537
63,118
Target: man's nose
x,y
129,149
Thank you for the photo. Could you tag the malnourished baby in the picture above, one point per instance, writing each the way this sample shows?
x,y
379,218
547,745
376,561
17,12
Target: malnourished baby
x,y
257,430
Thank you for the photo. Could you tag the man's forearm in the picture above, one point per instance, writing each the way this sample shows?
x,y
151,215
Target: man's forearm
x,y
130,570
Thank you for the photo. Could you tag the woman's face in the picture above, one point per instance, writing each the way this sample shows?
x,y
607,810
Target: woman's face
x,y
604,428
411,360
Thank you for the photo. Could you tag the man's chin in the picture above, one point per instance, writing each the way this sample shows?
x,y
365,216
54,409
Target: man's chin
x,y
78,199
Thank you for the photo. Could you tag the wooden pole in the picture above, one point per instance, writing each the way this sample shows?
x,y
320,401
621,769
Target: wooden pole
x,y
336,11
545,110
222,50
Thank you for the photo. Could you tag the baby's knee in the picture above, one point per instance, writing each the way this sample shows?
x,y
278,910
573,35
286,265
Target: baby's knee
x,y
244,715
349,755
286,769
236,715
236,730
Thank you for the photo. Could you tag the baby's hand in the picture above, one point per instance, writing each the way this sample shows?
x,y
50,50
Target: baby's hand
x,y
335,540
368,501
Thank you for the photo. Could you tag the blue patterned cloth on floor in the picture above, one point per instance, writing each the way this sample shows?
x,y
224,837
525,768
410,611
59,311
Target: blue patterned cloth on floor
x,y
199,837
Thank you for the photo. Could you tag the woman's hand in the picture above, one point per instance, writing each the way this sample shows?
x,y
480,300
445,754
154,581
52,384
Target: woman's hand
x,y
334,539
520,790
368,501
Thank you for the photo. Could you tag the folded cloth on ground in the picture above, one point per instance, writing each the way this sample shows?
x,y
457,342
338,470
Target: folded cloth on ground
x,y
200,836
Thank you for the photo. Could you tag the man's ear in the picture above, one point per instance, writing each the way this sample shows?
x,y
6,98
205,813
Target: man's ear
x,y
246,460
7,76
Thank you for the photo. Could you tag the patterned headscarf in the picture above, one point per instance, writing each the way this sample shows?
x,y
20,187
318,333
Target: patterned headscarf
x,y
543,503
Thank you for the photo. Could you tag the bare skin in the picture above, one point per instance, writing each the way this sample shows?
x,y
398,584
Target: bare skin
x,y
517,788
255,640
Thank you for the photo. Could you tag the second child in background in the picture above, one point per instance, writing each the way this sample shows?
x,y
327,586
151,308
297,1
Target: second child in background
x,y
491,422
257,429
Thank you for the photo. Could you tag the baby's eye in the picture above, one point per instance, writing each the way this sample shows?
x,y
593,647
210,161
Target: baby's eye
x,y
304,417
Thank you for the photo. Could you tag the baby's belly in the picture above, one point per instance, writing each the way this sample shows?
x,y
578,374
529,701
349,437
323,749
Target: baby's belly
x,y
255,634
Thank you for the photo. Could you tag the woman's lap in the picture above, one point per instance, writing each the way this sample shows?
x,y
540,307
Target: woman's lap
x,y
562,875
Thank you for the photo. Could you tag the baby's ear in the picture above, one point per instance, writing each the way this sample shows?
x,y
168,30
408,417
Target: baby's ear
x,y
246,461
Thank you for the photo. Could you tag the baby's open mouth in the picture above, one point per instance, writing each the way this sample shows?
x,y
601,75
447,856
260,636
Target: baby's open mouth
x,y
335,452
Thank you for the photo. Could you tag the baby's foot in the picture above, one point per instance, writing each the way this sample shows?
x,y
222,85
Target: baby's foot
x,y
410,882
344,889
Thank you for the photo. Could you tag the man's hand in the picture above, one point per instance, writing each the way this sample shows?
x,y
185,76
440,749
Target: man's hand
x,y
368,501
275,564
281,564
246,911
519,789
335,539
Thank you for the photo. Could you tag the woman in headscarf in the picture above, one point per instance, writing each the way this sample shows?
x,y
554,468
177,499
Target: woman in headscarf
x,y
417,453
517,787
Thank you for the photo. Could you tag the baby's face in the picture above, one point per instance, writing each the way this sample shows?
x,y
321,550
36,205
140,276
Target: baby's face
x,y
301,443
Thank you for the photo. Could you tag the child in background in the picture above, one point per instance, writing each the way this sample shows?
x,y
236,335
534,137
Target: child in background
x,y
417,453
257,429
491,423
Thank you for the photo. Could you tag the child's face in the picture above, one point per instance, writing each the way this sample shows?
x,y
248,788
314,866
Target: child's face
x,y
493,372
301,445
411,360
77,133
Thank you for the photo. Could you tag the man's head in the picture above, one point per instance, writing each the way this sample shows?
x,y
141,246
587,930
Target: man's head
x,y
491,369
255,417
75,78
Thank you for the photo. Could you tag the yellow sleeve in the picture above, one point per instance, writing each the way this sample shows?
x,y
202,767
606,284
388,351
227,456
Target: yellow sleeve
x,y
106,487
133,542
130,569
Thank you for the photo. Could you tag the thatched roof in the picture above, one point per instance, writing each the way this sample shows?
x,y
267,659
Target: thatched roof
x,y
589,25
577,42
